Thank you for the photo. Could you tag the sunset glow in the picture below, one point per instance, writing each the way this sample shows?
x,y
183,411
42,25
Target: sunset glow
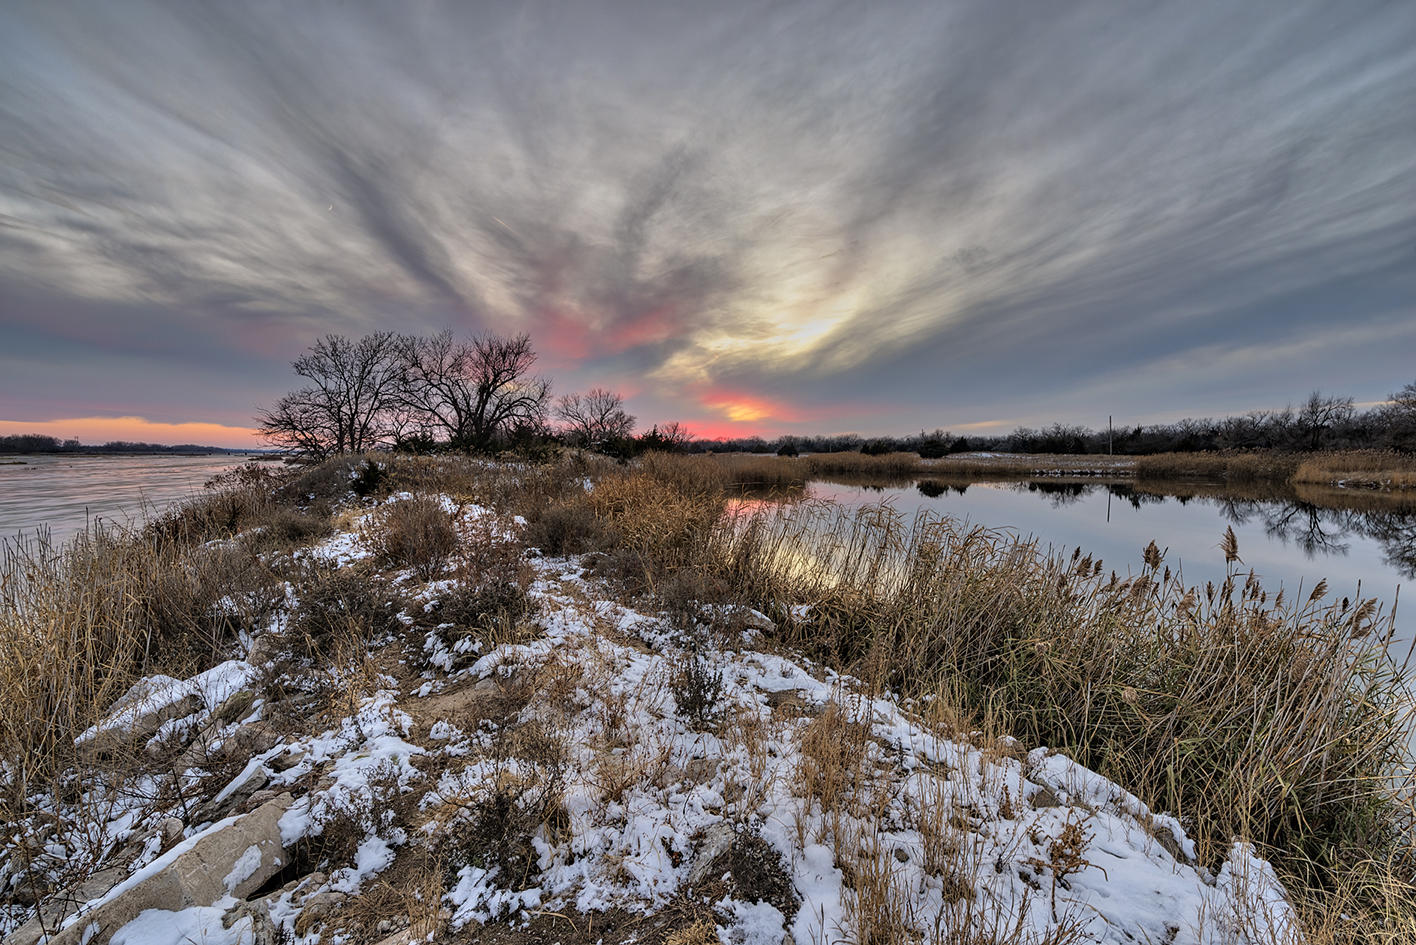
x,y
93,431
861,218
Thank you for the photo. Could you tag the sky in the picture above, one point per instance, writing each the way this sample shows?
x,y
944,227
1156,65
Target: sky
x,y
752,218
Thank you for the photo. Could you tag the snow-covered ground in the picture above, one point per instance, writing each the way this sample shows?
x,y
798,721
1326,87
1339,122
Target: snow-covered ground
x,y
866,821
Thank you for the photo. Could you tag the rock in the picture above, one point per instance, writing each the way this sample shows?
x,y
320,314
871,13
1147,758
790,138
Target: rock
x,y
253,739
1044,796
171,830
233,795
757,620
717,841
234,860
139,714
286,760
315,908
235,708
263,930
64,904
265,649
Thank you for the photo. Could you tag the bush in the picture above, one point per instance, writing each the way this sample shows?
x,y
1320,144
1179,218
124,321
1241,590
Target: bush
x,y
337,606
417,533
569,528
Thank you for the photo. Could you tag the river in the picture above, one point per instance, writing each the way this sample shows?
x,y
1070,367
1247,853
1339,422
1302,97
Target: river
x,y
62,492
1291,538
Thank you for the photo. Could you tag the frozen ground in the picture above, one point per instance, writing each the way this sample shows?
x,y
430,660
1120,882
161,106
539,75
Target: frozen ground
x,y
603,759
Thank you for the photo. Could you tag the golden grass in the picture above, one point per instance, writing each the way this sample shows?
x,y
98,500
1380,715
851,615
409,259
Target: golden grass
x,y
666,506
1246,715
1370,469
1223,466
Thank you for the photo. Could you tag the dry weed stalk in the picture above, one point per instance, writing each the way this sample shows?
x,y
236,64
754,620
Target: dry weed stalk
x,y
1279,720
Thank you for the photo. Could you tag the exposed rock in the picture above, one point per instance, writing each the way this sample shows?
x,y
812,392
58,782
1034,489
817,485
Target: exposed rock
x,y
263,930
1044,796
232,796
234,860
236,707
265,648
715,843
253,739
140,713
64,904
171,829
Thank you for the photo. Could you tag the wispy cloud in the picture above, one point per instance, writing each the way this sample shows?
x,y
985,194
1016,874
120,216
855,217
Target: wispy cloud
x,y
900,211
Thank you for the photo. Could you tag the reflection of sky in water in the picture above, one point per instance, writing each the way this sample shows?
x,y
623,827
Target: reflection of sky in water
x,y
62,492
1191,531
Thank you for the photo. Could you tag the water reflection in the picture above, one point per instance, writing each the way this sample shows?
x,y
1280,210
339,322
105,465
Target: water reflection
x,y
1319,521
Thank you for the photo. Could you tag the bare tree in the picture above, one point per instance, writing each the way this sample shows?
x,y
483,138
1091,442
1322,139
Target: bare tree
x,y
474,391
1319,414
353,404
595,418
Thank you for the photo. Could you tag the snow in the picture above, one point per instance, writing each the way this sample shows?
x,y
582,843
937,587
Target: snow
x,y
196,926
646,797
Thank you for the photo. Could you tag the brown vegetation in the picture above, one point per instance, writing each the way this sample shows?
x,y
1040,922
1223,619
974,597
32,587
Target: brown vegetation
x,y
1245,714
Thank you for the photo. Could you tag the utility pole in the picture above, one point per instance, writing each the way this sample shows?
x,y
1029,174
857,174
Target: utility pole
x,y
1109,438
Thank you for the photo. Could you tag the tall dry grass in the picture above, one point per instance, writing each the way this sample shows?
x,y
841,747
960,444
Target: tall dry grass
x,y
1285,721
81,622
666,506
1372,469
1223,466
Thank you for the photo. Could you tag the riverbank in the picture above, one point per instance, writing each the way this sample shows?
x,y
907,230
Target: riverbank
x,y
1350,469
581,698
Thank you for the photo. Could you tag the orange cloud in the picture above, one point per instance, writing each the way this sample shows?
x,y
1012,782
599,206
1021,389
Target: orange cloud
x,y
98,430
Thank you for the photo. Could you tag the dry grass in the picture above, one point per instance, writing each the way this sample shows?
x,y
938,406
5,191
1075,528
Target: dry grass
x,y
762,473
416,533
1281,721
1224,466
667,506
1370,469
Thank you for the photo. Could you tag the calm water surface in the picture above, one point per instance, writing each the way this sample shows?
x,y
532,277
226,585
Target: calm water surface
x,y
63,492
1288,542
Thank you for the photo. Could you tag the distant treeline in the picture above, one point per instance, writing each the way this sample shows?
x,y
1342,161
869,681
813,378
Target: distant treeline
x,y
1322,423
477,395
38,443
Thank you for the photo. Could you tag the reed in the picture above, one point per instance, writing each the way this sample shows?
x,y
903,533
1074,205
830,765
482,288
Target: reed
x,y
1283,721
1223,466
1370,469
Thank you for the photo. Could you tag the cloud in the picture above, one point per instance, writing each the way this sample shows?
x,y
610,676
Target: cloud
x,y
881,210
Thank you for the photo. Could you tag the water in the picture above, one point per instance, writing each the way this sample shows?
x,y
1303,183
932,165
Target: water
x,y
1290,539
64,492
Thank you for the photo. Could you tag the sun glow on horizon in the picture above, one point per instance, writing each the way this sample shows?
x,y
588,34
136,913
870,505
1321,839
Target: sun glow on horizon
x,y
93,431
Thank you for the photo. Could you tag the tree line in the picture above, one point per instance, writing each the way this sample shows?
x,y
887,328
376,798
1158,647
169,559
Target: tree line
x,y
31,443
480,394
1322,422
428,394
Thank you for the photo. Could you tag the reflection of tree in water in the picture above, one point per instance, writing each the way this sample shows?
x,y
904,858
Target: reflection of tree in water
x,y
1396,533
1128,492
1313,529
1062,493
1319,530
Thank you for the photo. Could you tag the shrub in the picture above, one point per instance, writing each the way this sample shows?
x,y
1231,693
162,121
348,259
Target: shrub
x,y
336,605
569,527
697,686
417,533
